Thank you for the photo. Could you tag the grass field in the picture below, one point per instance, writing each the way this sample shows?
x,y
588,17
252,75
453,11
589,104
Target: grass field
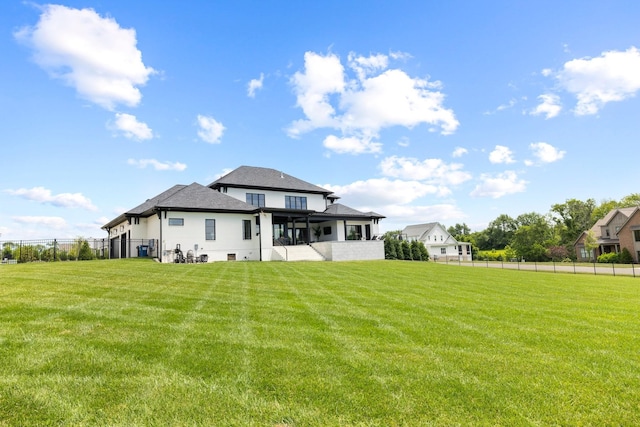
x,y
134,342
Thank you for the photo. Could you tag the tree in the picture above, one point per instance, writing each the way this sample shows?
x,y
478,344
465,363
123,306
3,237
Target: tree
x,y
590,244
625,257
630,201
557,253
415,251
406,250
390,248
602,209
572,217
498,234
460,232
530,241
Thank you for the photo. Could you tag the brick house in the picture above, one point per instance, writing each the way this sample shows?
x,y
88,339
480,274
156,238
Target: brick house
x,y
619,229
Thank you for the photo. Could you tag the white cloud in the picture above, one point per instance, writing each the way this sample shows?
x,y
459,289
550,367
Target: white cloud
x,y
90,53
395,99
549,105
210,130
65,200
501,154
499,185
351,145
547,72
254,85
400,55
398,216
432,171
129,125
386,191
54,222
366,66
546,153
323,76
375,98
157,165
459,152
613,76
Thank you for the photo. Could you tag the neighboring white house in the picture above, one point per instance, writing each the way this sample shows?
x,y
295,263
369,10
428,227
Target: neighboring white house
x,y
438,241
251,213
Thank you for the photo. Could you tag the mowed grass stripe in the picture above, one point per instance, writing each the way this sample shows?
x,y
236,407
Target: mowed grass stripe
x,y
134,342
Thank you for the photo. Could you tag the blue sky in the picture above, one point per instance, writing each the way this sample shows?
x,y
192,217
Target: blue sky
x,y
454,111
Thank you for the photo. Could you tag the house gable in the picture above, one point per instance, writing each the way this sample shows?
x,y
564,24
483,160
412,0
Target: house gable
x,y
257,178
629,235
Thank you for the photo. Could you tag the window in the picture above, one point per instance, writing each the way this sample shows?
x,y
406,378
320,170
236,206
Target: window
x,y
246,229
326,230
354,232
636,235
176,221
255,199
210,229
443,251
295,202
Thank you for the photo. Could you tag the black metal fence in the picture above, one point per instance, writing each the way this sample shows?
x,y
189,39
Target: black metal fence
x,y
553,267
45,250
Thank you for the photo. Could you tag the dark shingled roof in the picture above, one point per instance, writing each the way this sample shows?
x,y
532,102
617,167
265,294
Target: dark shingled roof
x,y
200,198
194,197
267,179
338,209
150,203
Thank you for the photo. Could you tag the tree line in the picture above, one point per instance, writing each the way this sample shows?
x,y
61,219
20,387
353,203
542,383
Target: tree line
x,y
541,237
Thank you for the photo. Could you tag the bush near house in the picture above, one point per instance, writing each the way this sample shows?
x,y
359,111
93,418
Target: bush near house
x,y
403,250
611,258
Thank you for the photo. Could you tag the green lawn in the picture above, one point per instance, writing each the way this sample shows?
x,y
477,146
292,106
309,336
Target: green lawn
x,y
134,342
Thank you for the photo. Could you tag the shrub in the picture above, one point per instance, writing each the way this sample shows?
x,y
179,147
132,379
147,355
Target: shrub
x,y
625,257
611,257
85,252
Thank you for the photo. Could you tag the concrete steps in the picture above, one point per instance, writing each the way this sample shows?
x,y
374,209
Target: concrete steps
x,y
295,253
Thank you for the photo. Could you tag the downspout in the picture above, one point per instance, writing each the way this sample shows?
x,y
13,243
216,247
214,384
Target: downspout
x,y
109,242
160,251
260,233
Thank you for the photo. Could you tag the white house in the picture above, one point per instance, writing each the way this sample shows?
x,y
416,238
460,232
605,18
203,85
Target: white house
x,y
438,241
251,213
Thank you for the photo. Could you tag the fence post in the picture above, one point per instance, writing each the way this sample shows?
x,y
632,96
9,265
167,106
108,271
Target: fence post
x,y
613,267
55,243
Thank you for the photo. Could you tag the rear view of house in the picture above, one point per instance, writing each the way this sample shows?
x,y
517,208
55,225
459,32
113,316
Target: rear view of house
x,y
251,213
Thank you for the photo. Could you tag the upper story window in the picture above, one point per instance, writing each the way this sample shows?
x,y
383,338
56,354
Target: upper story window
x,y
636,235
176,221
255,199
295,202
